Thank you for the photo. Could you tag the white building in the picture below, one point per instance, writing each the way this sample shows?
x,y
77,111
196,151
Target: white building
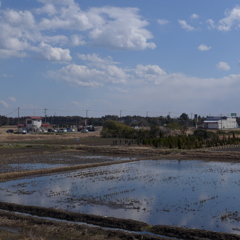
x,y
220,123
33,123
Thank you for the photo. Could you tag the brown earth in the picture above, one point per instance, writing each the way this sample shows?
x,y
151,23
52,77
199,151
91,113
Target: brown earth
x,y
5,137
29,148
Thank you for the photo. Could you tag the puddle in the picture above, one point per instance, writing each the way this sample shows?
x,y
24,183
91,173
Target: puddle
x,y
195,194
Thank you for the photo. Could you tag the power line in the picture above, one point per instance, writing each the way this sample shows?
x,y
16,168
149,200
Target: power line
x,y
103,111
11,112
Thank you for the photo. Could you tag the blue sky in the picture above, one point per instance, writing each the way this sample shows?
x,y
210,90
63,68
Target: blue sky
x,y
152,58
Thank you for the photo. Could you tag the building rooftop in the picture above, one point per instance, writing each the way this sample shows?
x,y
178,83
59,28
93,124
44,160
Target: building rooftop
x,y
215,118
35,117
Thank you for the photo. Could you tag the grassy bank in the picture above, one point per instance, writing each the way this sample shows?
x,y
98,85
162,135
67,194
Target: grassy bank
x,y
42,229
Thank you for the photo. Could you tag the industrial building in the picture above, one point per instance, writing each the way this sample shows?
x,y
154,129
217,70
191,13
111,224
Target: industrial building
x,y
220,122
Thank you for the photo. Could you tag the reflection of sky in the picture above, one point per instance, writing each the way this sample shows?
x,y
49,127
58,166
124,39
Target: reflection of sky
x,y
182,193
54,162
34,166
105,157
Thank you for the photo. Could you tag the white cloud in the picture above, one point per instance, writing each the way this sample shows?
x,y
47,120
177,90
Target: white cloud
x,y
76,40
5,75
50,53
211,24
79,104
96,60
144,81
109,27
98,72
5,53
14,28
15,44
49,9
186,26
194,16
12,99
105,72
180,90
4,103
79,75
123,28
232,18
75,103
149,73
162,21
118,89
203,47
20,19
57,39
112,73
223,66
59,2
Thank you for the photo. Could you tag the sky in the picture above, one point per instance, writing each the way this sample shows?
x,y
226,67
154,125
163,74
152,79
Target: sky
x,y
95,58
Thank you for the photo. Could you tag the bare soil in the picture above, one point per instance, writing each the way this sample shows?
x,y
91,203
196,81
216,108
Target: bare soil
x,y
30,148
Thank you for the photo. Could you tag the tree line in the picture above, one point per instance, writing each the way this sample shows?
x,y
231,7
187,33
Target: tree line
x,y
163,137
181,122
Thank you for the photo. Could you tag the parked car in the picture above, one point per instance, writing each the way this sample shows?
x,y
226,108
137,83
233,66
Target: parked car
x,y
84,130
10,131
22,130
80,129
62,130
91,128
43,130
52,130
70,130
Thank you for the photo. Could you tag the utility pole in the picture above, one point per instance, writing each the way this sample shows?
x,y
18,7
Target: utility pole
x,y
191,119
147,114
86,122
221,120
45,111
120,113
18,114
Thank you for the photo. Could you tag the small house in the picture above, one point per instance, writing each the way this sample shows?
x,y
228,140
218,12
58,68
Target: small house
x,y
33,123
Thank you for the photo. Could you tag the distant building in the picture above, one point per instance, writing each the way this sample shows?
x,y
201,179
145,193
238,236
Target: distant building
x,y
219,123
33,124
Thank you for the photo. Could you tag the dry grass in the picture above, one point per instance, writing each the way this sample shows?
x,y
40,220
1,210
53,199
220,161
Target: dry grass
x,y
33,238
17,227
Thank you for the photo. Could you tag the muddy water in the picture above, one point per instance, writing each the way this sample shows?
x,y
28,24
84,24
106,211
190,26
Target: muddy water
x,y
195,194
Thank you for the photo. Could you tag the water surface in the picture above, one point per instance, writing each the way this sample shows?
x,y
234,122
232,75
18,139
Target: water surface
x,y
195,194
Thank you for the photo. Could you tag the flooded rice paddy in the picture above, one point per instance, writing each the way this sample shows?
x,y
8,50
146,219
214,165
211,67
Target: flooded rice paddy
x,y
194,194
55,161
